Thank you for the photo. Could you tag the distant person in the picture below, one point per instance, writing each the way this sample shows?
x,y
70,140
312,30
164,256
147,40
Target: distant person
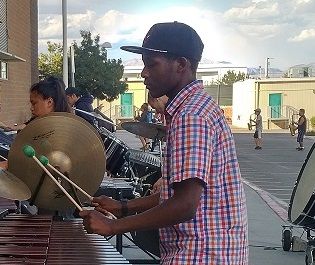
x,y
258,129
159,105
144,117
81,101
301,127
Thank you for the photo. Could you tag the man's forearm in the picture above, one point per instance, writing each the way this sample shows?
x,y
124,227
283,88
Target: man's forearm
x,y
142,204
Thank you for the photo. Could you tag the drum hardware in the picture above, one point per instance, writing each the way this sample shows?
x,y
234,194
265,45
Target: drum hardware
x,y
251,122
301,210
52,135
96,115
292,125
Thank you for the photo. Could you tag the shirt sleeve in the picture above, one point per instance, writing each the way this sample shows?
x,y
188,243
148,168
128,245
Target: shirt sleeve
x,y
192,146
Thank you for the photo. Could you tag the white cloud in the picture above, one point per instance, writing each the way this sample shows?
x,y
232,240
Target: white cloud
x,y
301,2
304,35
246,33
256,11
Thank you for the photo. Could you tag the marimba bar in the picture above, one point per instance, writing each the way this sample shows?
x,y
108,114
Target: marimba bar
x,y
40,240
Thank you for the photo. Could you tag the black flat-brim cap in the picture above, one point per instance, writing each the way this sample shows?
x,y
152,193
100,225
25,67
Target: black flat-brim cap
x,y
172,38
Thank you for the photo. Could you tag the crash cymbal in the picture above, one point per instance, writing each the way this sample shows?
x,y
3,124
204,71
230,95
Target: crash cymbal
x,y
147,130
12,187
72,145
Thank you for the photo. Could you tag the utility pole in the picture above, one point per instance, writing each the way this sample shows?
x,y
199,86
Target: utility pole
x,y
267,67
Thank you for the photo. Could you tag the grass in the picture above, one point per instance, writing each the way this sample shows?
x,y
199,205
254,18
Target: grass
x,y
310,133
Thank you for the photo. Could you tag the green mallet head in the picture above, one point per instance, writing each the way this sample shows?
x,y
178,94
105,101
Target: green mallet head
x,y
28,151
44,160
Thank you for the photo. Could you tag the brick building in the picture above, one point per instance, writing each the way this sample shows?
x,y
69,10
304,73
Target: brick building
x,y
18,57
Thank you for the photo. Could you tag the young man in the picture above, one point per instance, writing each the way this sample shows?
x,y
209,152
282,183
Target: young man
x,y
258,130
301,129
201,209
81,101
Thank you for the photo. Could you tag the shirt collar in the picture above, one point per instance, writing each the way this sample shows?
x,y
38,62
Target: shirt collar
x,y
182,95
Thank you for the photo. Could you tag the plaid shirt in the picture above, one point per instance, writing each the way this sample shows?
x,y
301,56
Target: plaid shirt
x,y
200,145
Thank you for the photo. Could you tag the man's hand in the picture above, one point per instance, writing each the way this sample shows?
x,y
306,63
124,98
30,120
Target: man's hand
x,y
157,186
4,164
104,203
96,222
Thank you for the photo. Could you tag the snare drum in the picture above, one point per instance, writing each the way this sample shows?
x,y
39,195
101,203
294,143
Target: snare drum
x,y
115,154
302,204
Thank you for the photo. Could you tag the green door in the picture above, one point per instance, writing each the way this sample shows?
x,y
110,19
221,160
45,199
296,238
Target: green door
x,y
275,105
126,102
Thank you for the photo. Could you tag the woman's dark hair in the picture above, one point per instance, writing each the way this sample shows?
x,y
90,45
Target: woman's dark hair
x,y
52,87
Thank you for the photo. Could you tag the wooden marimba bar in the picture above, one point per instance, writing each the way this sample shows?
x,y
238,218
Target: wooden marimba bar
x,y
40,240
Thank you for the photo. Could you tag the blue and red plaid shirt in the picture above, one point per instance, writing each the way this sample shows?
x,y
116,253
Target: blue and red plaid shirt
x,y
200,145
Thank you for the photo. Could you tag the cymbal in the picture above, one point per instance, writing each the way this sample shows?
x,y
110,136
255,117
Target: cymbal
x,y
12,187
72,145
147,130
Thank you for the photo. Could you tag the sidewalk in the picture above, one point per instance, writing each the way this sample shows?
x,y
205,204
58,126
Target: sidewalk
x,y
265,217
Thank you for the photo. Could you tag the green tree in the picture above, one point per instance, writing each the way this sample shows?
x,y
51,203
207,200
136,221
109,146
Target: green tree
x,y
50,63
94,72
231,77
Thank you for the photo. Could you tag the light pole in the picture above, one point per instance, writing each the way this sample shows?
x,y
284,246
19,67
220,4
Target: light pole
x,y
65,48
72,65
107,45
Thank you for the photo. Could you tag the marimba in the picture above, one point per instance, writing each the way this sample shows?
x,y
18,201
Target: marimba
x,y
39,239
7,206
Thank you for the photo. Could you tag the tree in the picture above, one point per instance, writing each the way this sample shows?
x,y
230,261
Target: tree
x,y
94,72
50,63
231,77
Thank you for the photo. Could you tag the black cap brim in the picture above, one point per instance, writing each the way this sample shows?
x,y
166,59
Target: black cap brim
x,y
140,50
134,49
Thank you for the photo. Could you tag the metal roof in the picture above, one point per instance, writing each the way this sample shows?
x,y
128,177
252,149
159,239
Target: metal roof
x,y
5,56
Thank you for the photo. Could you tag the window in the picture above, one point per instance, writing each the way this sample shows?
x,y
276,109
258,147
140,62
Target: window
x,y
4,70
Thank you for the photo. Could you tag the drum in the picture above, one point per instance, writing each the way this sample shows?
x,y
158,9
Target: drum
x,y
302,204
115,154
146,166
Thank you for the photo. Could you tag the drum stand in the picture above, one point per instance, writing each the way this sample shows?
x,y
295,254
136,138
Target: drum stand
x,y
298,244
119,243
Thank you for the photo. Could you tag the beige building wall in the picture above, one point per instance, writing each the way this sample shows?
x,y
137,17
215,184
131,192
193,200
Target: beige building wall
x,y
22,42
250,94
296,93
139,96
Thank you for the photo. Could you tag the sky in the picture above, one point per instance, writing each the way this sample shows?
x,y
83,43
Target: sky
x,y
243,32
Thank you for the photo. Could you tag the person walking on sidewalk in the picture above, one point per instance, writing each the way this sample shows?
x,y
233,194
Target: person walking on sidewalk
x,y
201,209
301,129
258,129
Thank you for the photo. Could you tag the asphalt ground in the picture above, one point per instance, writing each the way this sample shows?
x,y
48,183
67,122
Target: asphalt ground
x,y
275,167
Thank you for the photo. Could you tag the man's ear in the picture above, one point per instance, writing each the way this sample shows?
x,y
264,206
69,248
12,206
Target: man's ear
x,y
50,101
183,64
